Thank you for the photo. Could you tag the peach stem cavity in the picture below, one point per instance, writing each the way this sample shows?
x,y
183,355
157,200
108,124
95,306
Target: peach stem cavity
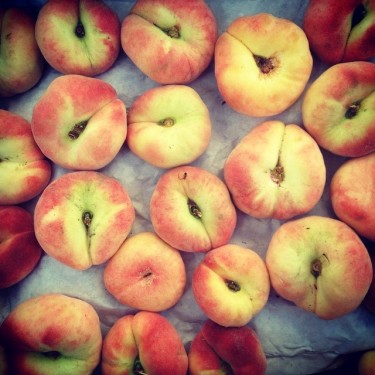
x,y
232,285
278,174
194,209
265,64
167,122
353,110
138,368
317,265
80,30
87,217
358,15
77,129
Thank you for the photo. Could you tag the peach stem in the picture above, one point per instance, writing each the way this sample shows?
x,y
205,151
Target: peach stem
x,y
194,209
87,218
167,122
352,110
80,30
232,285
265,64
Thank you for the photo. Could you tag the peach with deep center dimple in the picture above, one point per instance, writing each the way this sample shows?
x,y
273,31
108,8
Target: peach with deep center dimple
x,y
171,41
146,273
79,122
262,64
338,109
144,343
169,126
191,209
320,264
52,334
24,170
82,218
78,36
231,285
275,171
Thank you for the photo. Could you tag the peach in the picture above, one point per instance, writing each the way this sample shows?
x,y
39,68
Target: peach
x,y
340,31
146,273
352,194
369,300
338,109
223,350
144,343
21,62
366,363
169,126
24,170
191,209
262,64
320,264
231,285
276,171
52,334
170,41
78,36
82,218
79,122
19,249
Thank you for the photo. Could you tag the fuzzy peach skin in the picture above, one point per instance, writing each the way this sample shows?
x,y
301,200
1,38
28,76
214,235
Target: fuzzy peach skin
x,y
276,171
144,343
231,285
19,249
338,109
170,41
146,273
352,193
223,350
52,334
169,126
82,218
79,122
366,363
262,64
191,209
78,36
21,62
320,264
24,170
341,31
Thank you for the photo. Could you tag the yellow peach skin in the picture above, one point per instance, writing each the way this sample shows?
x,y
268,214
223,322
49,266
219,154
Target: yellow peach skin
x,y
79,122
262,64
24,170
146,273
171,41
231,285
169,126
320,264
52,334
266,172
191,209
78,36
21,62
144,343
82,218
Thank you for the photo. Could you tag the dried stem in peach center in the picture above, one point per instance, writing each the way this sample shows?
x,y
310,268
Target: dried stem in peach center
x,y
233,285
77,129
194,209
87,217
80,30
278,174
353,110
167,122
265,64
317,265
138,368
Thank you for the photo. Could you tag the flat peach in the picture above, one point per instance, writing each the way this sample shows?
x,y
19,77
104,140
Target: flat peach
x,y
191,209
170,41
169,126
146,273
276,171
19,249
231,285
24,170
79,122
82,218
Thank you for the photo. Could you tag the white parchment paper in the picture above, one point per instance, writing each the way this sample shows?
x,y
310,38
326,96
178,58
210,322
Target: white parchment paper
x,y
295,342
